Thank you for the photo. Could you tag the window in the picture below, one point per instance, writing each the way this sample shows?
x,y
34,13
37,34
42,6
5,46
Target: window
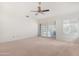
x,y
70,28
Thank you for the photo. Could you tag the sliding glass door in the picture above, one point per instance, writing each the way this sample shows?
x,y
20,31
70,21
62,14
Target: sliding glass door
x,y
48,30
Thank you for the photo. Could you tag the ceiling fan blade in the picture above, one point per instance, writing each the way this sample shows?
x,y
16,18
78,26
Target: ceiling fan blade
x,y
45,10
34,11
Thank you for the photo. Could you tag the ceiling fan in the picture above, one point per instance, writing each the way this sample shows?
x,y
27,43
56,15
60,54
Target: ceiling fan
x,y
40,10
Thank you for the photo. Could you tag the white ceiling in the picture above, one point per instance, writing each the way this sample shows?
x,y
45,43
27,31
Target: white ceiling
x,y
25,8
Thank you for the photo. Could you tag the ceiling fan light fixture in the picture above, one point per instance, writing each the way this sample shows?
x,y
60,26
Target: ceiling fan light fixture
x,y
39,10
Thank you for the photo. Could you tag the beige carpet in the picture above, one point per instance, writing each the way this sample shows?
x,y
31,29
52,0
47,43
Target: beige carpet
x,y
39,47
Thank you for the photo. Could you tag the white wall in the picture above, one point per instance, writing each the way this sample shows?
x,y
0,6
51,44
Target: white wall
x,y
13,23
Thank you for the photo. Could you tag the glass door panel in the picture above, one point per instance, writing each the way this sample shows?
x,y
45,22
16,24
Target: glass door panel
x,y
48,30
